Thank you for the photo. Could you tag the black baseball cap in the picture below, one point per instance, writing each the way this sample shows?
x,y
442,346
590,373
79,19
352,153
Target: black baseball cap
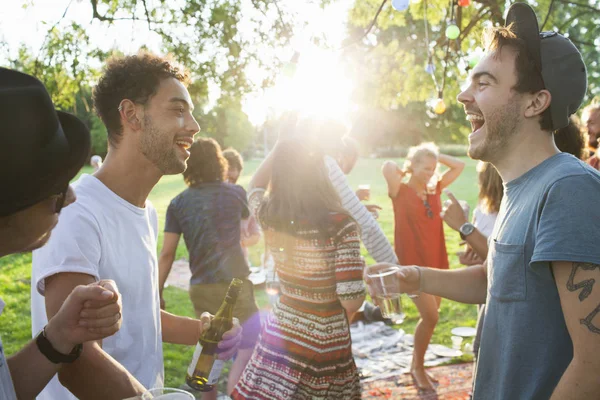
x,y
41,149
556,57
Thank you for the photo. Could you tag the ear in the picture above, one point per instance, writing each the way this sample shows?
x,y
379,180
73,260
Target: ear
x,y
538,103
129,115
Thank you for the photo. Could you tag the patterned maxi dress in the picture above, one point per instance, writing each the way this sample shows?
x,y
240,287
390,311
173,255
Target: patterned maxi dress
x,y
304,349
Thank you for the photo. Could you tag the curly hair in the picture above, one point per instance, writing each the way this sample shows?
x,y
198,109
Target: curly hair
x,y
135,78
206,163
529,78
234,159
417,153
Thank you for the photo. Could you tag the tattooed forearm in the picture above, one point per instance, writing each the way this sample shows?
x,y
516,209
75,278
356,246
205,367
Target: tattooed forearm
x,y
586,287
588,320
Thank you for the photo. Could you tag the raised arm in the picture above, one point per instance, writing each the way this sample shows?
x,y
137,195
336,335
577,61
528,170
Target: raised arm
x,y
455,166
95,375
371,234
393,176
579,292
262,176
454,217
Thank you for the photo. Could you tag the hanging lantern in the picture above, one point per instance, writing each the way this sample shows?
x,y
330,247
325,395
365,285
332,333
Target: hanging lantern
x,y
464,3
400,5
439,107
452,31
430,68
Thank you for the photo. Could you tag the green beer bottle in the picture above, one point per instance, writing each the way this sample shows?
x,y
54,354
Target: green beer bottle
x,y
205,369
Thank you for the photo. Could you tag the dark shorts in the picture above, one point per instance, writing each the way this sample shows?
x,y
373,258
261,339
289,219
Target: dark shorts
x,y
208,297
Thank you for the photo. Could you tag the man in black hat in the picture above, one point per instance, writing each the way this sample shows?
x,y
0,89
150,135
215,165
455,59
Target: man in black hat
x,y
41,150
541,335
112,232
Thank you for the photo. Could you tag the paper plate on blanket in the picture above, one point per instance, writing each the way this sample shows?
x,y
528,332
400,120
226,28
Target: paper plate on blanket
x,y
464,331
443,351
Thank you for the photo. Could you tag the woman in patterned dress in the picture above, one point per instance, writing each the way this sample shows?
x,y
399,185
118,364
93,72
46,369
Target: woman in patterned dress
x,y
304,349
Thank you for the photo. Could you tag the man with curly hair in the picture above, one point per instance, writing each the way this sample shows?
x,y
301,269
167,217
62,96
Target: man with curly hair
x,y
112,231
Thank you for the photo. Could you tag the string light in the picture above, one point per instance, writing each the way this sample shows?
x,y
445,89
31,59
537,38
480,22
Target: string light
x,y
430,68
400,5
439,107
452,31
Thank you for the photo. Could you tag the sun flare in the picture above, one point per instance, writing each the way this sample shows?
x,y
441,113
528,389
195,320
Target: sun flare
x,y
318,88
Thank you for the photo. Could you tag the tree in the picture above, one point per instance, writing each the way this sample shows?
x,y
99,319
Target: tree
x,y
390,62
217,41
228,125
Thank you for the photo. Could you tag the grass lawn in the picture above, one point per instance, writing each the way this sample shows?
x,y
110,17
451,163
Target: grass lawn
x,y
15,271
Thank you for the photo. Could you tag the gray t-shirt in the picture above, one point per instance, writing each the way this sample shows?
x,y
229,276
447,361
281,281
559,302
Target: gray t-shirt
x,y
550,213
209,218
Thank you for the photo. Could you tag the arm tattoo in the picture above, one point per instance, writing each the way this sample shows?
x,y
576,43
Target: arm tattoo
x,y
586,287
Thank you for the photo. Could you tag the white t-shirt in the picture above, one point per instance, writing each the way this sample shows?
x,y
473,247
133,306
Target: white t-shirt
x,y
7,390
483,221
104,236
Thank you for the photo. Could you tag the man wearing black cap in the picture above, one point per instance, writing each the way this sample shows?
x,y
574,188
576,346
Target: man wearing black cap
x,y
541,335
111,232
41,150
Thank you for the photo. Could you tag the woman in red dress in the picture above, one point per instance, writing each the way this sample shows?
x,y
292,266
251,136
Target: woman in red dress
x,y
419,232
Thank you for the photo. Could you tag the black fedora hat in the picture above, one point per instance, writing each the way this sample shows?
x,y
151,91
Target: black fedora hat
x,y
41,149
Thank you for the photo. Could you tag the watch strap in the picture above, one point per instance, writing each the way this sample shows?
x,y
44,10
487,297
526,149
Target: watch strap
x,y
52,354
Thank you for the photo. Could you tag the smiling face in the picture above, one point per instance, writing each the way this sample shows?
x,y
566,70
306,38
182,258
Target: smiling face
x,y
168,127
592,124
492,105
423,168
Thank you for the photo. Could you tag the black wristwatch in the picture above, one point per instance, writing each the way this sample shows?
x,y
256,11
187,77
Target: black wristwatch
x,y
466,229
50,352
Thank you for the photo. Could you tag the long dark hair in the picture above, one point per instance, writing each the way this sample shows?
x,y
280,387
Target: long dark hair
x,y
300,195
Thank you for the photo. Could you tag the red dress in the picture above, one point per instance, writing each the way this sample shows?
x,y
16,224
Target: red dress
x,y
418,229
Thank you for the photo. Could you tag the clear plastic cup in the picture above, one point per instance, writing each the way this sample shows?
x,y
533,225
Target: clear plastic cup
x,y
388,293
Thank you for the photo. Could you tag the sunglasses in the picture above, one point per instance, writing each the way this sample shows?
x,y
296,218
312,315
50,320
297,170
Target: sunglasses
x,y
60,200
428,208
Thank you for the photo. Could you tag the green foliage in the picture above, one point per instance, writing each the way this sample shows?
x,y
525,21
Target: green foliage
x,y
228,125
389,65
